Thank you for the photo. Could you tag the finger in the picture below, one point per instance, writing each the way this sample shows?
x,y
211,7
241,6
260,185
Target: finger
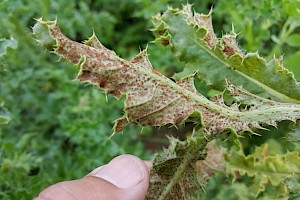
x,y
125,177
148,164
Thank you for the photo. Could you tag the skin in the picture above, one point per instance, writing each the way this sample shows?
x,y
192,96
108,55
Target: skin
x,y
126,177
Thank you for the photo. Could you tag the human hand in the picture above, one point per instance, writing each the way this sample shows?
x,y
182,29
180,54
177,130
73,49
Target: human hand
x,y
125,177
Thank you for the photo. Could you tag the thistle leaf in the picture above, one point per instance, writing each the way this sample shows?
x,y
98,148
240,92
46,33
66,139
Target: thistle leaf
x,y
194,42
182,170
153,99
263,167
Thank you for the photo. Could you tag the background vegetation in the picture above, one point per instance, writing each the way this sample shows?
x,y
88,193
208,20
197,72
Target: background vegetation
x,y
59,129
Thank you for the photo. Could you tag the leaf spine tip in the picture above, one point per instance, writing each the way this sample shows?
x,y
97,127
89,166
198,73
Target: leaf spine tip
x,y
211,11
39,20
255,133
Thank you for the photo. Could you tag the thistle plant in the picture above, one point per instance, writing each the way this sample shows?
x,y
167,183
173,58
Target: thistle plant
x,y
256,96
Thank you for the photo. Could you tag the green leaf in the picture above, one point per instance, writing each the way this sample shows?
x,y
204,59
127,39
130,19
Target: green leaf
x,y
264,167
292,63
293,185
7,43
291,8
220,186
4,115
193,41
293,40
45,38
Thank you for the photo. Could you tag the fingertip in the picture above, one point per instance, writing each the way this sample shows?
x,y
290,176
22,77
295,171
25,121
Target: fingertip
x,y
148,164
128,173
124,171
126,177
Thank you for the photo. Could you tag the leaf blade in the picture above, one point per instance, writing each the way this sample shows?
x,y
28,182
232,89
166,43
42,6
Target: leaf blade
x,y
151,98
193,41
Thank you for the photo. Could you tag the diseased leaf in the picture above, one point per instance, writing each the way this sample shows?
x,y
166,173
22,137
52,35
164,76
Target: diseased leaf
x,y
153,99
194,42
182,170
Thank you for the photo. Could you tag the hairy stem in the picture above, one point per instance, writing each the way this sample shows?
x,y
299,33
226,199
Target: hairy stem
x,y
190,155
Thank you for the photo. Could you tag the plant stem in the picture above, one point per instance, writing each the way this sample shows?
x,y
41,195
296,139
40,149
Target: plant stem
x,y
188,158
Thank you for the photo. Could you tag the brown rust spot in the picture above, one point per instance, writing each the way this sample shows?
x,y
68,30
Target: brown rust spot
x,y
229,51
165,42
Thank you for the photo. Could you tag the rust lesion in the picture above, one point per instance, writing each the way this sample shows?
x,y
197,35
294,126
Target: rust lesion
x,y
203,22
172,105
230,46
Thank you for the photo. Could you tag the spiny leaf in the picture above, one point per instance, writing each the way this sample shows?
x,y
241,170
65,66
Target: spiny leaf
x,y
264,168
181,171
194,42
151,98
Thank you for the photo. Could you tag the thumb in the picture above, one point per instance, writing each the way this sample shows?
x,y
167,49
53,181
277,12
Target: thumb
x,y
125,177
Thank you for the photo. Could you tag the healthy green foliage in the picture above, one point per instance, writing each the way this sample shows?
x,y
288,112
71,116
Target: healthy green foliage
x,y
155,100
7,43
4,115
4,45
264,166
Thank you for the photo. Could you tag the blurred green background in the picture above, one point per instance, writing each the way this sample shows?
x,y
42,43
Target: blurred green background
x,y
58,128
